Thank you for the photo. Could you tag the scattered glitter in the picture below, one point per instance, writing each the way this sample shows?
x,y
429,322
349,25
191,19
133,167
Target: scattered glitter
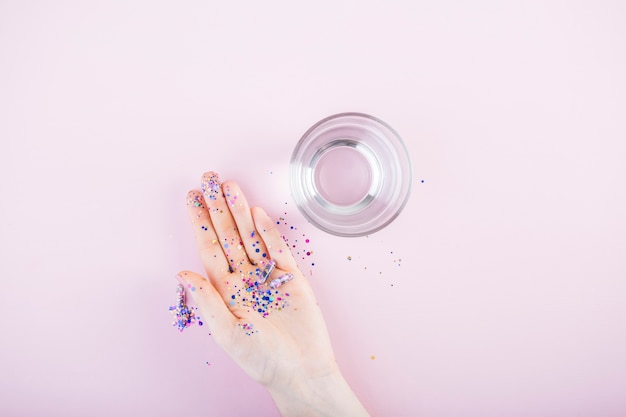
x,y
248,328
184,314
256,296
257,292
230,198
349,258
372,357
422,181
294,242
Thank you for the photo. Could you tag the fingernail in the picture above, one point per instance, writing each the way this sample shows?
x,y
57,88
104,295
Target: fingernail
x,y
265,274
195,199
275,283
211,185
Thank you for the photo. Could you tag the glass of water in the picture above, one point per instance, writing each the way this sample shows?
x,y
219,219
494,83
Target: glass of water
x,y
350,174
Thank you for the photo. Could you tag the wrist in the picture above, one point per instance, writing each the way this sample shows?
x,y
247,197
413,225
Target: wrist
x,y
323,395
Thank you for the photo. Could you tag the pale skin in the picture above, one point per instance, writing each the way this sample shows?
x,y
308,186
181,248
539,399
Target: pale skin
x,y
288,351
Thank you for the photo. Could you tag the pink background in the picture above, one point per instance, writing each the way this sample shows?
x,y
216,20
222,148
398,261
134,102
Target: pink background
x,y
509,299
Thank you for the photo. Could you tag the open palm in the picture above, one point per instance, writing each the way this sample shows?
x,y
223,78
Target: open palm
x,y
277,335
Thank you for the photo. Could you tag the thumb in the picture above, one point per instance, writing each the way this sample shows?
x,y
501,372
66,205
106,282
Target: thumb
x,y
214,311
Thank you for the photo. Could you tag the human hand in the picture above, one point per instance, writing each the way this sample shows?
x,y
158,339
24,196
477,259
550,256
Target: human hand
x,y
274,330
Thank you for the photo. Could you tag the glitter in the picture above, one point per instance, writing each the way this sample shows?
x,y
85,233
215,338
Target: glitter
x,y
184,315
194,199
256,296
372,357
349,258
211,185
248,328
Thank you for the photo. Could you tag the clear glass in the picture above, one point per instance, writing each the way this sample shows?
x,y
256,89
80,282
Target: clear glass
x,y
350,174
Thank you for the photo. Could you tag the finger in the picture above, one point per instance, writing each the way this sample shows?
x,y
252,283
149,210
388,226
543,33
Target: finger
x,y
240,210
214,311
223,222
213,258
276,246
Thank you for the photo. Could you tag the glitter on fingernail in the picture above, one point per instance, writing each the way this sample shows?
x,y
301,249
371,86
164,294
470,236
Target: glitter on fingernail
x,y
184,315
195,199
211,185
